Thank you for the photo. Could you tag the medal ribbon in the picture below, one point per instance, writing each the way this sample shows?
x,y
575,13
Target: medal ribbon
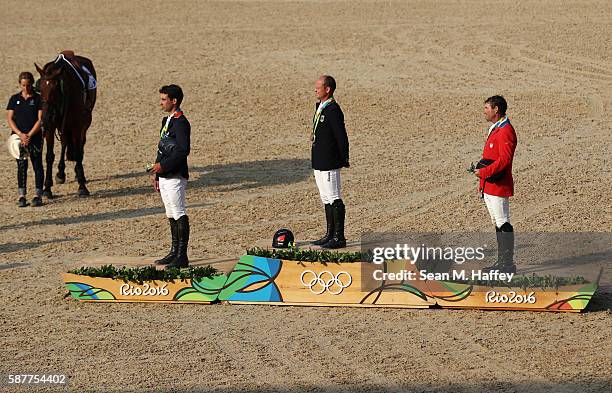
x,y
317,116
164,130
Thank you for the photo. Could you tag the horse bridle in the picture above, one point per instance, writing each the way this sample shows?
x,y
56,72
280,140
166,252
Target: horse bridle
x,y
55,111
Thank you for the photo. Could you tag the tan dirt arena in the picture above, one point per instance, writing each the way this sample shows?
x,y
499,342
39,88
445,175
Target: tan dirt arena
x,y
412,77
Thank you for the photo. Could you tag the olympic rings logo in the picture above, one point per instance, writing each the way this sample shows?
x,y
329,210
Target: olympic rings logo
x,y
326,281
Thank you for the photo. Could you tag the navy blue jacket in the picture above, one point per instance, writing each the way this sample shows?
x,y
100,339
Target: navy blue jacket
x,y
330,149
174,146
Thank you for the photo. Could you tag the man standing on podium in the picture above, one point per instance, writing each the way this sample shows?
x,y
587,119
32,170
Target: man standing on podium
x,y
330,153
496,183
171,173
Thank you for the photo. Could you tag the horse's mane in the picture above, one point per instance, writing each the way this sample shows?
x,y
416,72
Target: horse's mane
x,y
56,107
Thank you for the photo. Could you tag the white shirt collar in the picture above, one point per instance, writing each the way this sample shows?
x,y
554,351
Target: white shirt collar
x,y
494,125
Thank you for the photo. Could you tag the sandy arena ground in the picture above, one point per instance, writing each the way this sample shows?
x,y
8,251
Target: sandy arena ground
x,y
412,76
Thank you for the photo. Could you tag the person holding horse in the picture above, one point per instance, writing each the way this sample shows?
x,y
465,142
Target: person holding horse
x,y
171,173
24,118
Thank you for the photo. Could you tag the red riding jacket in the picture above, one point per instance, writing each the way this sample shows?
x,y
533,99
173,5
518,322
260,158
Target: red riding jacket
x,y
500,146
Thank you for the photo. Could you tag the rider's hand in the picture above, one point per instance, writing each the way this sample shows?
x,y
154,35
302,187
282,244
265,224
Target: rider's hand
x,y
25,139
156,168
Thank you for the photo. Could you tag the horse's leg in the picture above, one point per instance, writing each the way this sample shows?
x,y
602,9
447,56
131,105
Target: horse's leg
x,y
50,158
60,177
80,174
78,168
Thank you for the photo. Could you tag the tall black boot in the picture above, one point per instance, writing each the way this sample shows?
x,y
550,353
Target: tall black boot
x,y
329,217
173,246
338,240
505,250
181,259
506,244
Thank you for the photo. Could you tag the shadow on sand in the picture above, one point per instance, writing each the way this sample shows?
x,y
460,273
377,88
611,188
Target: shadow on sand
x,y
225,177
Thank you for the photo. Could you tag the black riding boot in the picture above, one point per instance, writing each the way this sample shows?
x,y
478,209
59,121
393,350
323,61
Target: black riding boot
x,y
329,217
505,250
174,245
338,240
181,259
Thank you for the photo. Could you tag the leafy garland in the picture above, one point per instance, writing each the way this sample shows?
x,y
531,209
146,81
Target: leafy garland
x,y
146,273
150,273
309,255
533,281
306,255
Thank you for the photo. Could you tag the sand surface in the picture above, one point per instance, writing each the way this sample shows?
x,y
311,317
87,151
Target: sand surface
x,y
412,76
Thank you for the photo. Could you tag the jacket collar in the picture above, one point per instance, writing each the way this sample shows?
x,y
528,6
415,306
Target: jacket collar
x,y
325,103
176,114
498,124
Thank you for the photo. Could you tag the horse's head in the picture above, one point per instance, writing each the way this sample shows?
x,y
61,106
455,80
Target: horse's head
x,y
50,92
49,82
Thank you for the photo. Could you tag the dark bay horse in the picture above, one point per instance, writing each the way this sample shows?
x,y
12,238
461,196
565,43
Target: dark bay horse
x,y
67,112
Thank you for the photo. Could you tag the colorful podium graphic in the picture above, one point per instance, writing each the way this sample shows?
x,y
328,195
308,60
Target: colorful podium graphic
x,y
260,280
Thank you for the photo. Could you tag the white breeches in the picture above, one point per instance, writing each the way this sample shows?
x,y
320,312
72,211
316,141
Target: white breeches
x,y
499,209
172,192
328,183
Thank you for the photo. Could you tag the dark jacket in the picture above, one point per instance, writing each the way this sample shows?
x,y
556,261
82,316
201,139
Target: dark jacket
x,y
330,148
174,146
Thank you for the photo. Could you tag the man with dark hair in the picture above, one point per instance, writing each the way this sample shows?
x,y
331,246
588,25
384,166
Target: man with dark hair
x,y
498,102
171,173
496,183
174,92
24,117
330,152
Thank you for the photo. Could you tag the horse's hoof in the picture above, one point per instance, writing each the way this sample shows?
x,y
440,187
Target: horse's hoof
x,y
83,192
48,194
60,179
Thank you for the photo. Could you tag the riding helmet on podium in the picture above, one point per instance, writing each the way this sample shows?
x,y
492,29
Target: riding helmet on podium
x,y
283,238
